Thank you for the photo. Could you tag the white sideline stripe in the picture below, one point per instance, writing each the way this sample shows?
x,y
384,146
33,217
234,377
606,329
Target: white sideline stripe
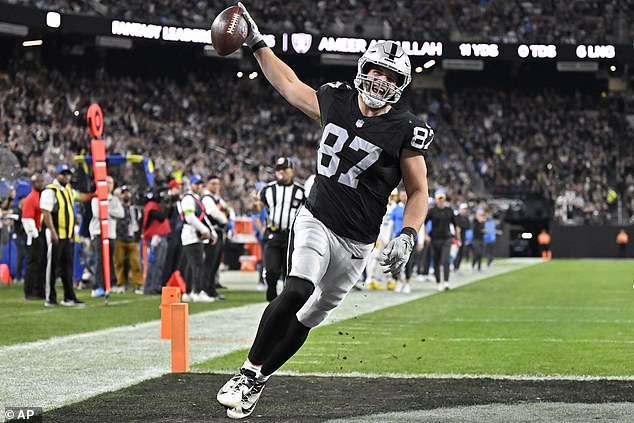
x,y
62,370
543,412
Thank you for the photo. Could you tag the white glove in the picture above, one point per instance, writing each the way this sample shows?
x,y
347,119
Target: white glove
x,y
155,241
254,36
396,253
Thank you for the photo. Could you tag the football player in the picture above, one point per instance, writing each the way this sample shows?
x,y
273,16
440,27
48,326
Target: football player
x,y
366,148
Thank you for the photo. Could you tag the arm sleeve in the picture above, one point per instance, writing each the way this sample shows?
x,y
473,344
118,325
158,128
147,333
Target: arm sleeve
x,y
212,210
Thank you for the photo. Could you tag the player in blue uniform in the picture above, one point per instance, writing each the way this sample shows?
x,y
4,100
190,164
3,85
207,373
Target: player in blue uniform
x,y
367,147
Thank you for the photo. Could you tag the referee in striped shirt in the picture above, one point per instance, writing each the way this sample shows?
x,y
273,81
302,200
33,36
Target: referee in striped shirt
x,y
282,198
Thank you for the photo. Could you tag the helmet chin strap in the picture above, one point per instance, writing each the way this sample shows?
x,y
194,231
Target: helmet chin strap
x,y
372,103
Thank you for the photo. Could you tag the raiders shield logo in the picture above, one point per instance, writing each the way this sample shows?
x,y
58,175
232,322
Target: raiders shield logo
x,y
301,42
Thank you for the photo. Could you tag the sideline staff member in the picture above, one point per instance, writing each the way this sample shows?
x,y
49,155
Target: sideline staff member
x,y
57,203
36,246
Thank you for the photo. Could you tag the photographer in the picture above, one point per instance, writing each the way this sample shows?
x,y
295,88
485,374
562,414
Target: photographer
x,y
128,236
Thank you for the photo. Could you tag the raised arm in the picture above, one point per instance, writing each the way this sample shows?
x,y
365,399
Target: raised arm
x,y
279,74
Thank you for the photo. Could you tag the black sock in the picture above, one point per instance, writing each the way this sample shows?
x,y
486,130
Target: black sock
x,y
271,286
286,348
278,317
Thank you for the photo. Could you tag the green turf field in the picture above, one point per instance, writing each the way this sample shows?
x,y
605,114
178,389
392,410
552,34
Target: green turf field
x,y
24,321
565,317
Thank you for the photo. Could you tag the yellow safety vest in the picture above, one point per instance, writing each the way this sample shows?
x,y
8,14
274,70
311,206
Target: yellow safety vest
x,y
63,213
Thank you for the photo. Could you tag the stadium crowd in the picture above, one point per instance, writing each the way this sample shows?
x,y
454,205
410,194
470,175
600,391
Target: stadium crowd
x,y
543,21
564,158
568,148
195,132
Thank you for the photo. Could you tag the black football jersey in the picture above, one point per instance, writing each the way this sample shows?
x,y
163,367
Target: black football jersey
x,y
358,162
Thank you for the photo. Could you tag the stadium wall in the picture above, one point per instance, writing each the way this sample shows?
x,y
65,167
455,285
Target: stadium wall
x,y
587,241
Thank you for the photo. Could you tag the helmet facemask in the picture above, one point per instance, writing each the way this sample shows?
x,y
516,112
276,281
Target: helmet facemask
x,y
376,92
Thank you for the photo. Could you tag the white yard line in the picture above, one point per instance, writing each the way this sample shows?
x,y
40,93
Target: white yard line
x,y
553,340
458,376
67,369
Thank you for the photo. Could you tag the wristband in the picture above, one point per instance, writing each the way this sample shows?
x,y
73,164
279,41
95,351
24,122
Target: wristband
x,y
260,44
408,230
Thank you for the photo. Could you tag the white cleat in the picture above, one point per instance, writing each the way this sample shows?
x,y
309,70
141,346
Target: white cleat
x,y
247,403
407,289
230,395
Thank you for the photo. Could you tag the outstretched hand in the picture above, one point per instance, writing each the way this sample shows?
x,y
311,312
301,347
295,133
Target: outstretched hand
x,y
254,36
396,253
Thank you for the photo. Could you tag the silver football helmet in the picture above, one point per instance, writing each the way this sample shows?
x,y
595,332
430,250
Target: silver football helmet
x,y
375,92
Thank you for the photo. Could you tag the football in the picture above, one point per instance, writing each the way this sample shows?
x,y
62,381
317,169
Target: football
x,y
228,31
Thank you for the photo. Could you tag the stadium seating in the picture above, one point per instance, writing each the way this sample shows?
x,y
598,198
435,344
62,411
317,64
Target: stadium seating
x,y
542,21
